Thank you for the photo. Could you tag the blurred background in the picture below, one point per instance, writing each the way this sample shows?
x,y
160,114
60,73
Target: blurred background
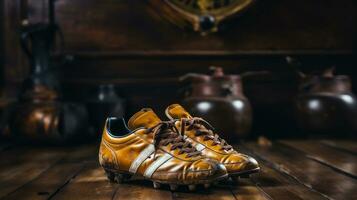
x,y
273,68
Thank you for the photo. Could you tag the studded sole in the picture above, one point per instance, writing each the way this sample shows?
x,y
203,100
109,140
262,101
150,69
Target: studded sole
x,y
121,177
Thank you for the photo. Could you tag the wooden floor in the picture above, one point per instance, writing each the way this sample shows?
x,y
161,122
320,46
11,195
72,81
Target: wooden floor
x,y
290,170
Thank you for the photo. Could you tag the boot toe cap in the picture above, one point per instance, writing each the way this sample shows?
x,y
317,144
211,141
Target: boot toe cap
x,y
206,169
240,163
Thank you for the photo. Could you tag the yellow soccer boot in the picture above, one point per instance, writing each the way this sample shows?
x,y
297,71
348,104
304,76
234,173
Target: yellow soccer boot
x,y
200,133
154,149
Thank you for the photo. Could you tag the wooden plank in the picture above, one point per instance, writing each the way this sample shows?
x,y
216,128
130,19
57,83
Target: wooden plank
x,y
280,193
186,54
88,152
139,189
221,192
339,160
249,192
247,189
279,186
20,165
345,145
51,180
23,154
47,183
90,183
275,185
104,30
312,174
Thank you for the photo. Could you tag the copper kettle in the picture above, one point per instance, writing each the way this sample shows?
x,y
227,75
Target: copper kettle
x,y
326,105
219,99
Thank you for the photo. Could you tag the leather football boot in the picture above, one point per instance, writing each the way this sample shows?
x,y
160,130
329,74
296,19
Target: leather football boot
x,y
155,150
201,134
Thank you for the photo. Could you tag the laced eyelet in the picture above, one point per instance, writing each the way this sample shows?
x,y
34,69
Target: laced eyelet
x,y
163,136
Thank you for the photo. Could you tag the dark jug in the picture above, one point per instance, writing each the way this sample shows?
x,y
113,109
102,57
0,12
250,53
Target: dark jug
x,y
219,99
39,115
325,105
102,103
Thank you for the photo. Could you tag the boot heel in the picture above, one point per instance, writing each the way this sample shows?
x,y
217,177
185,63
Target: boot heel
x,y
117,177
110,175
121,178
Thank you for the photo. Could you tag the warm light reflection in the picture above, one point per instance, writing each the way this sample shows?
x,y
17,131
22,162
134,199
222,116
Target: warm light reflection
x,y
314,105
101,96
347,98
204,106
238,104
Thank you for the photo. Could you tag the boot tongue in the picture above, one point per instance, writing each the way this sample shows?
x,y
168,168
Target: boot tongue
x,y
144,118
176,111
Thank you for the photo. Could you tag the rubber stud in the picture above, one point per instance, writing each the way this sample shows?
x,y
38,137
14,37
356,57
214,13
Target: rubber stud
x,y
235,178
110,175
245,176
156,185
192,187
173,187
120,178
207,185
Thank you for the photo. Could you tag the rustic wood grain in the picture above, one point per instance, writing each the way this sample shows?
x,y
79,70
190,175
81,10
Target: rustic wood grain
x,y
279,186
47,183
318,177
124,26
74,173
19,165
341,161
50,181
141,190
345,145
90,183
250,192
276,185
220,192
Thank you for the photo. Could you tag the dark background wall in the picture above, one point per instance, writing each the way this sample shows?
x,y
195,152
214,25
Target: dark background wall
x,y
1,45
127,43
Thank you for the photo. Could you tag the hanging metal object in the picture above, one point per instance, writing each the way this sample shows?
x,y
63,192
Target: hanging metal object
x,y
202,15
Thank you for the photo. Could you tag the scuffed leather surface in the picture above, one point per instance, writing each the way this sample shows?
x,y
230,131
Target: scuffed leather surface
x,y
233,161
118,153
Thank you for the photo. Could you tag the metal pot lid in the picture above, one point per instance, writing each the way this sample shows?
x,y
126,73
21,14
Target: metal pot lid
x,y
217,75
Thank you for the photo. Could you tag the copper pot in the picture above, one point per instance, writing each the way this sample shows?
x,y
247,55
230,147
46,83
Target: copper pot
x,y
40,117
326,105
220,100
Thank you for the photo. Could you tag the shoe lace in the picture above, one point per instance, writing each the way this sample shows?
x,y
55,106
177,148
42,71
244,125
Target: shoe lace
x,y
199,125
166,133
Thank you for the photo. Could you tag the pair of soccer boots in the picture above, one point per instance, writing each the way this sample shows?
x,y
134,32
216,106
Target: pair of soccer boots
x,y
182,151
